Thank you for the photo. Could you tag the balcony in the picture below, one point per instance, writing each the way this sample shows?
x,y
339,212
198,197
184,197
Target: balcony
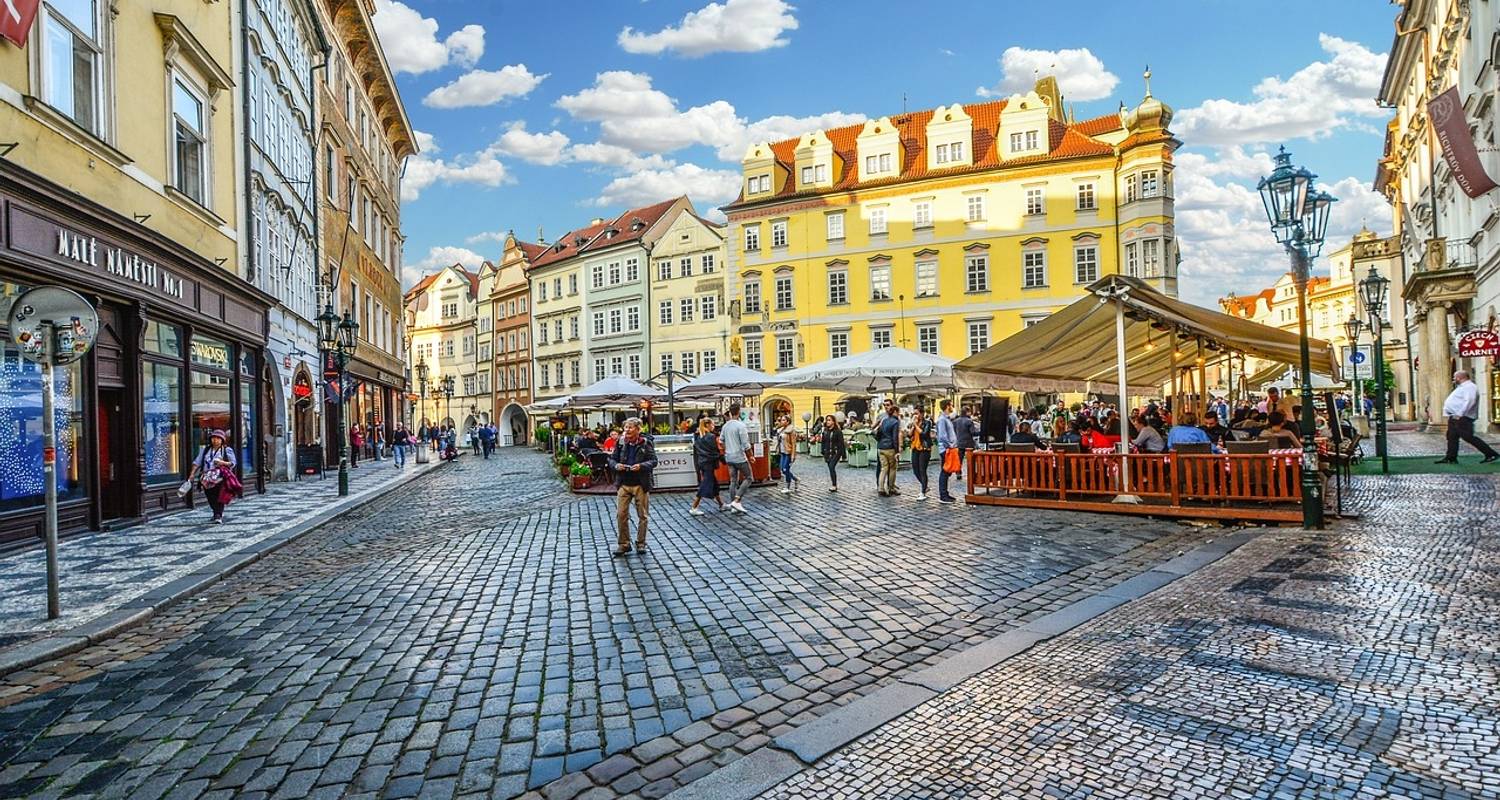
x,y
1444,275
1443,255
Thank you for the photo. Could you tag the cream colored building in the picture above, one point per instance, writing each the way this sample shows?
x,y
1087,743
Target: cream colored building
x,y
442,326
688,323
557,298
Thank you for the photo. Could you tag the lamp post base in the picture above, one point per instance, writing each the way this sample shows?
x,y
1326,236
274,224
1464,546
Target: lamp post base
x,y
344,477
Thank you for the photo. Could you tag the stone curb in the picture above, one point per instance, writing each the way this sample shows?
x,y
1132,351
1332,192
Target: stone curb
x,y
804,745
146,606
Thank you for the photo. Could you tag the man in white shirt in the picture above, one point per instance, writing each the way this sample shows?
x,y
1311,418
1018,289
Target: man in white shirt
x,y
736,440
1462,408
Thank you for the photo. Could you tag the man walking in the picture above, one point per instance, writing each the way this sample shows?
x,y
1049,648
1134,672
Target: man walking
x,y
486,440
946,440
736,439
1462,408
399,440
632,461
888,442
965,429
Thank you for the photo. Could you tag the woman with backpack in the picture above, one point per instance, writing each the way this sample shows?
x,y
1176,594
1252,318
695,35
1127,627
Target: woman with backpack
x,y
213,472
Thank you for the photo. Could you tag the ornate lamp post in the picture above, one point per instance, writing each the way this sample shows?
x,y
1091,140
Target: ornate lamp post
x,y
1352,327
1298,214
338,338
447,384
1374,288
423,425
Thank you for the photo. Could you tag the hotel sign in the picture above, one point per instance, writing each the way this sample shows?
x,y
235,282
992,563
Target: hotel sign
x,y
1452,127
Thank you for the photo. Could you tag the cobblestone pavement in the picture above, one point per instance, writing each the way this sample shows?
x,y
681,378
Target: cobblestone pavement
x,y
1358,662
100,572
469,635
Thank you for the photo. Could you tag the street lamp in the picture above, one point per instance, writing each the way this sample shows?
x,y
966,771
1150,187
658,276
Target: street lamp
x,y
338,338
447,384
1374,288
1352,327
1298,214
422,382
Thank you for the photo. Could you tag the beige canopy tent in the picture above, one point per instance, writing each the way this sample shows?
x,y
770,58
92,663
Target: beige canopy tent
x,y
1120,337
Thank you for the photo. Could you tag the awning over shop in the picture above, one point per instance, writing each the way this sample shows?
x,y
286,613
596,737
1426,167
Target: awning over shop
x,y
1076,349
1283,376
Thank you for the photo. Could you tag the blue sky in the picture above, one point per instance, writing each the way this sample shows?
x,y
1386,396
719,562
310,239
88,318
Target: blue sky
x,y
548,114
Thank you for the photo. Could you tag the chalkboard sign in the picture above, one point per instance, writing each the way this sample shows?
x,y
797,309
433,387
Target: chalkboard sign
x,y
309,459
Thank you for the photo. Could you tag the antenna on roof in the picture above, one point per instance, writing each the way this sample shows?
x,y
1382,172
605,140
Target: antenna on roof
x,y
903,102
539,238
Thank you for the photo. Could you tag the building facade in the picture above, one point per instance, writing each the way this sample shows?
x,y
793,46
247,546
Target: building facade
x,y
1448,243
120,179
283,42
442,324
557,309
942,230
365,138
614,266
484,333
512,340
689,329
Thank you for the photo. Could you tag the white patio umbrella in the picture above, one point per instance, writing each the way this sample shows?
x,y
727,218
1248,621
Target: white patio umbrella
x,y
548,406
893,368
616,389
728,379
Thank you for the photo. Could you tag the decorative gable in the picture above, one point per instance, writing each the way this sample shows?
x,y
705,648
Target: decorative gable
x,y
879,149
950,138
759,169
817,165
1024,127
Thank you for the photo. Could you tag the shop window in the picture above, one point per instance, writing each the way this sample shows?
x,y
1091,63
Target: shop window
x,y
163,339
161,389
21,426
211,353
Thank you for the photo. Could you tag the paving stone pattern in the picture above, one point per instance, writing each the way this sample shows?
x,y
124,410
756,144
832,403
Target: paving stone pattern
x,y
102,571
1358,662
470,635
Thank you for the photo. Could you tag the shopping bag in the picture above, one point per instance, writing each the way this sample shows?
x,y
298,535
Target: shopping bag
x,y
951,463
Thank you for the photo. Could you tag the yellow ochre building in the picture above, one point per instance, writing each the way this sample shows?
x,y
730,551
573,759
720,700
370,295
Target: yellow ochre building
x,y
942,231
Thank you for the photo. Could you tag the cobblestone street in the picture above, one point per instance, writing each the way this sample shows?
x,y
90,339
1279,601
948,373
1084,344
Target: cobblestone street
x,y
469,635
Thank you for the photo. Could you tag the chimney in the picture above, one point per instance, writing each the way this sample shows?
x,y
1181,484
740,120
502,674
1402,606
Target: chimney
x,y
596,221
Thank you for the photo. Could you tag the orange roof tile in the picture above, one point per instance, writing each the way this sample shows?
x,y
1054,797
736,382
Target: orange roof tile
x,y
624,227
567,245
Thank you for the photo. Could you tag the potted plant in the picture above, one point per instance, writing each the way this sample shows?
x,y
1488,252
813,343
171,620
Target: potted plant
x,y
859,454
565,464
543,435
582,475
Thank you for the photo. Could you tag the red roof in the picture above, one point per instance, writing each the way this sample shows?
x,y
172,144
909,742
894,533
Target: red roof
x,y
1064,142
630,225
567,245
531,250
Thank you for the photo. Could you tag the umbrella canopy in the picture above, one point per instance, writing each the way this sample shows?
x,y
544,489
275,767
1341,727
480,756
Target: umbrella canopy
x,y
548,406
1074,350
612,390
728,379
1284,377
887,368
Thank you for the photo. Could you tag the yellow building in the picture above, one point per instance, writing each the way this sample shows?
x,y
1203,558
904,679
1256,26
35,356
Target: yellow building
x,y
689,329
442,327
120,179
943,230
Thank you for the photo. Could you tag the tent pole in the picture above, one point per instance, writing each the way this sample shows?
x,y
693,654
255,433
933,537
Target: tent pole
x,y
1202,383
1125,496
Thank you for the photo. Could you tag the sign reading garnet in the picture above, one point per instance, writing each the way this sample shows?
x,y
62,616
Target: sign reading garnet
x,y
1476,344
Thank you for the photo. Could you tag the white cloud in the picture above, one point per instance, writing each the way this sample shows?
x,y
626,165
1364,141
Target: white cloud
x,y
538,148
484,87
422,171
1230,162
618,94
1080,74
736,26
410,40
487,236
437,258
707,187
613,155
711,124
1315,101
1358,206
781,126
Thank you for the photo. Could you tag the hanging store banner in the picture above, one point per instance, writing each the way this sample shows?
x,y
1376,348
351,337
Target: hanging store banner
x,y
1452,128
16,17
1479,344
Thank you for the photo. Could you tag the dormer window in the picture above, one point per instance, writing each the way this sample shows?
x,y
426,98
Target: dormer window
x,y
1023,140
949,153
878,164
814,174
760,183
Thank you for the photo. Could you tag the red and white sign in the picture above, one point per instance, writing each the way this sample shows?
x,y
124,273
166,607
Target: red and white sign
x,y
16,17
1479,344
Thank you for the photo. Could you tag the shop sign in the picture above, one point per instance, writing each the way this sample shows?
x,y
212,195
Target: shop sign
x,y
89,252
16,17
210,354
1479,344
1452,127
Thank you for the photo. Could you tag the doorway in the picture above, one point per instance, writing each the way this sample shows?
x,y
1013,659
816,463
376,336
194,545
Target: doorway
x,y
116,496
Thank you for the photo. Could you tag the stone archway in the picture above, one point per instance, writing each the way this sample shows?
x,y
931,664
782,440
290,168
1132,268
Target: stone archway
x,y
513,426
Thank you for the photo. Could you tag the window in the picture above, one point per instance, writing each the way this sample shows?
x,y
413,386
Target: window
x,y
632,270
685,309
1033,269
752,296
877,221
752,354
760,183
73,62
572,285
880,338
189,143
690,363
710,360
616,320
1034,202
956,150
979,337
1086,264
838,344
786,353
668,362
1030,321
547,374
1149,184
685,267
664,312
752,237
573,327
1130,188
977,274
927,285
838,287
577,370
927,339
783,292
616,365
557,326
450,310
778,233
614,273
633,318
598,370
942,154
635,366
596,276
835,224
708,307
880,282
1151,258
1132,260
1022,141
878,164
664,270
807,175
708,263
975,206
598,324
1086,197
921,215
557,286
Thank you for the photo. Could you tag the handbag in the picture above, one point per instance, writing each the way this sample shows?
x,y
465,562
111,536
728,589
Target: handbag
x,y
951,462
212,478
